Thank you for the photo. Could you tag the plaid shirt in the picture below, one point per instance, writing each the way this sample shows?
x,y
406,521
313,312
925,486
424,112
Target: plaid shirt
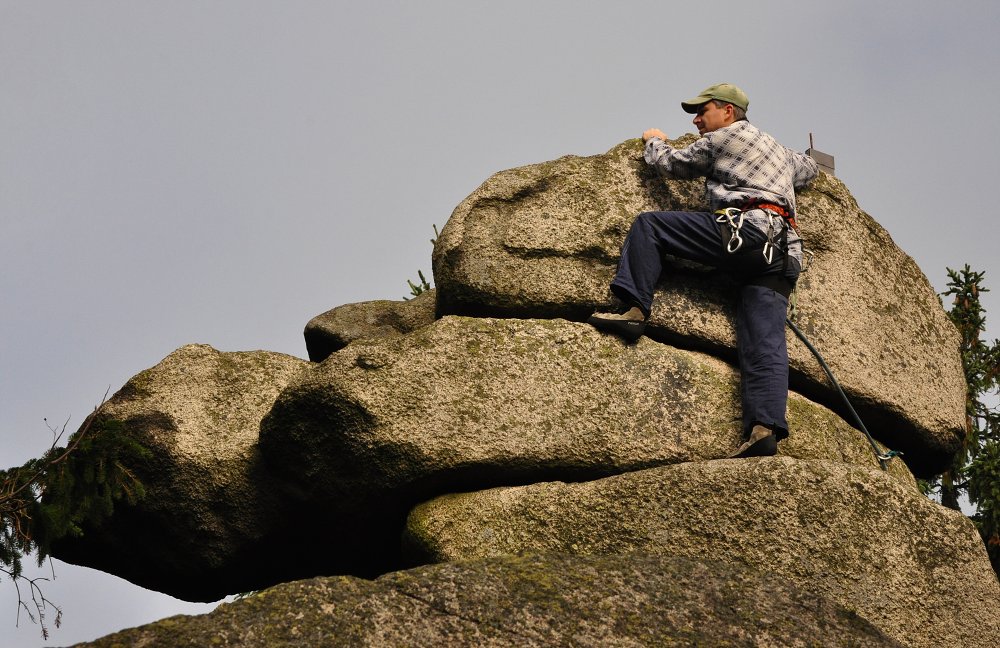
x,y
741,164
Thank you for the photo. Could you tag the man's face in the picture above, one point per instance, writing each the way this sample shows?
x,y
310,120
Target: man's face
x,y
710,117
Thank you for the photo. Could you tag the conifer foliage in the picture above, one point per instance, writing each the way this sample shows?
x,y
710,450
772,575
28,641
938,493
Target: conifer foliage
x,y
976,469
58,495
417,289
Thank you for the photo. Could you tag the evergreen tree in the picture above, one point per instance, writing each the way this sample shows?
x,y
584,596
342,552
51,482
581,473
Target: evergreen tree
x,y
57,495
975,471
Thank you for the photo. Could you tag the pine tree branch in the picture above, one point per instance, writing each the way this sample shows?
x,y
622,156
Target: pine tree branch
x,y
60,493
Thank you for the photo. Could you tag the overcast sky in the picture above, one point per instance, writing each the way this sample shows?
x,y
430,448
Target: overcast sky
x,y
221,172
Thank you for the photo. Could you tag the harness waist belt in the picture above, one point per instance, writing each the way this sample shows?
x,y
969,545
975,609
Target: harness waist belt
x,y
757,204
771,207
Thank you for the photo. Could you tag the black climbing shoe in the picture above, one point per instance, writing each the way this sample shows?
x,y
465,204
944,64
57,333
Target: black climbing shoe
x,y
629,324
762,443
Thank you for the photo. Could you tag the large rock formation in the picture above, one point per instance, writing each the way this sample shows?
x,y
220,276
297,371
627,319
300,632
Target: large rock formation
x,y
846,533
635,600
206,526
256,451
470,403
543,241
338,327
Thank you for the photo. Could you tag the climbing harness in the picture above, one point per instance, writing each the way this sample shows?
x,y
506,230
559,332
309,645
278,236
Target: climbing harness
x,y
883,456
777,236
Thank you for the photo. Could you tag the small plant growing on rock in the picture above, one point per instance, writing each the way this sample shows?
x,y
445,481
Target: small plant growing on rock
x,y
417,289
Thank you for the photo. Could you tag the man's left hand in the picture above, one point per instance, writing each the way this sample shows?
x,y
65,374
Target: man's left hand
x,y
653,132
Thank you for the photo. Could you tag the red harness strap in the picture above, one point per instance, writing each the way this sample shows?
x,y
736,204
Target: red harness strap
x,y
777,209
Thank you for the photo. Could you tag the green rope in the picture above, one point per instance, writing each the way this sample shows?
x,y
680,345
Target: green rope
x,y
882,455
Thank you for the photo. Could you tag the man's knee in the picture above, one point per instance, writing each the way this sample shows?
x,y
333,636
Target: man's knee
x,y
645,222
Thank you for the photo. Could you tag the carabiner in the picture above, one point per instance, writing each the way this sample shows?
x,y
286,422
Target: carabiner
x,y
768,252
807,260
735,243
732,216
769,245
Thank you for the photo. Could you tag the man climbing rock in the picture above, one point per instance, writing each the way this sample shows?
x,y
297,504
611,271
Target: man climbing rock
x,y
750,182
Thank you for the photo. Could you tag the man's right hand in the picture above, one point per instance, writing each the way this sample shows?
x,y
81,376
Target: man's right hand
x,y
653,132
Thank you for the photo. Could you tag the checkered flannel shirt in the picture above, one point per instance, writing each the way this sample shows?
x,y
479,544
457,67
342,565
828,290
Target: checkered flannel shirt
x,y
740,163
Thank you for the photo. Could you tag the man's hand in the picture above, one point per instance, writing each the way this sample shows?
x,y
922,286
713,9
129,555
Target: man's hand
x,y
653,132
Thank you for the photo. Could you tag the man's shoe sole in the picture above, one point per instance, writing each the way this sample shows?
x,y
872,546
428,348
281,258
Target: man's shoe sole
x,y
627,329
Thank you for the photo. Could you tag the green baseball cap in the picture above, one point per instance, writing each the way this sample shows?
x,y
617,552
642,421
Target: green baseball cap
x,y
723,92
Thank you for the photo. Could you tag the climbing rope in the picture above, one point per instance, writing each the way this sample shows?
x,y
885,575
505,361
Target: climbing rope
x,y
733,218
883,456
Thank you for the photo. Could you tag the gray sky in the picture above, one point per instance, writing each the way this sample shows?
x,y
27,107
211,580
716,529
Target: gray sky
x,y
221,172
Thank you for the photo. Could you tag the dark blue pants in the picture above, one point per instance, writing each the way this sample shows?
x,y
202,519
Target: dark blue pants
x,y
760,311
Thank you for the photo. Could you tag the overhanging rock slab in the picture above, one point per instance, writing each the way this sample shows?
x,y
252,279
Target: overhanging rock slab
x,y
471,403
211,515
